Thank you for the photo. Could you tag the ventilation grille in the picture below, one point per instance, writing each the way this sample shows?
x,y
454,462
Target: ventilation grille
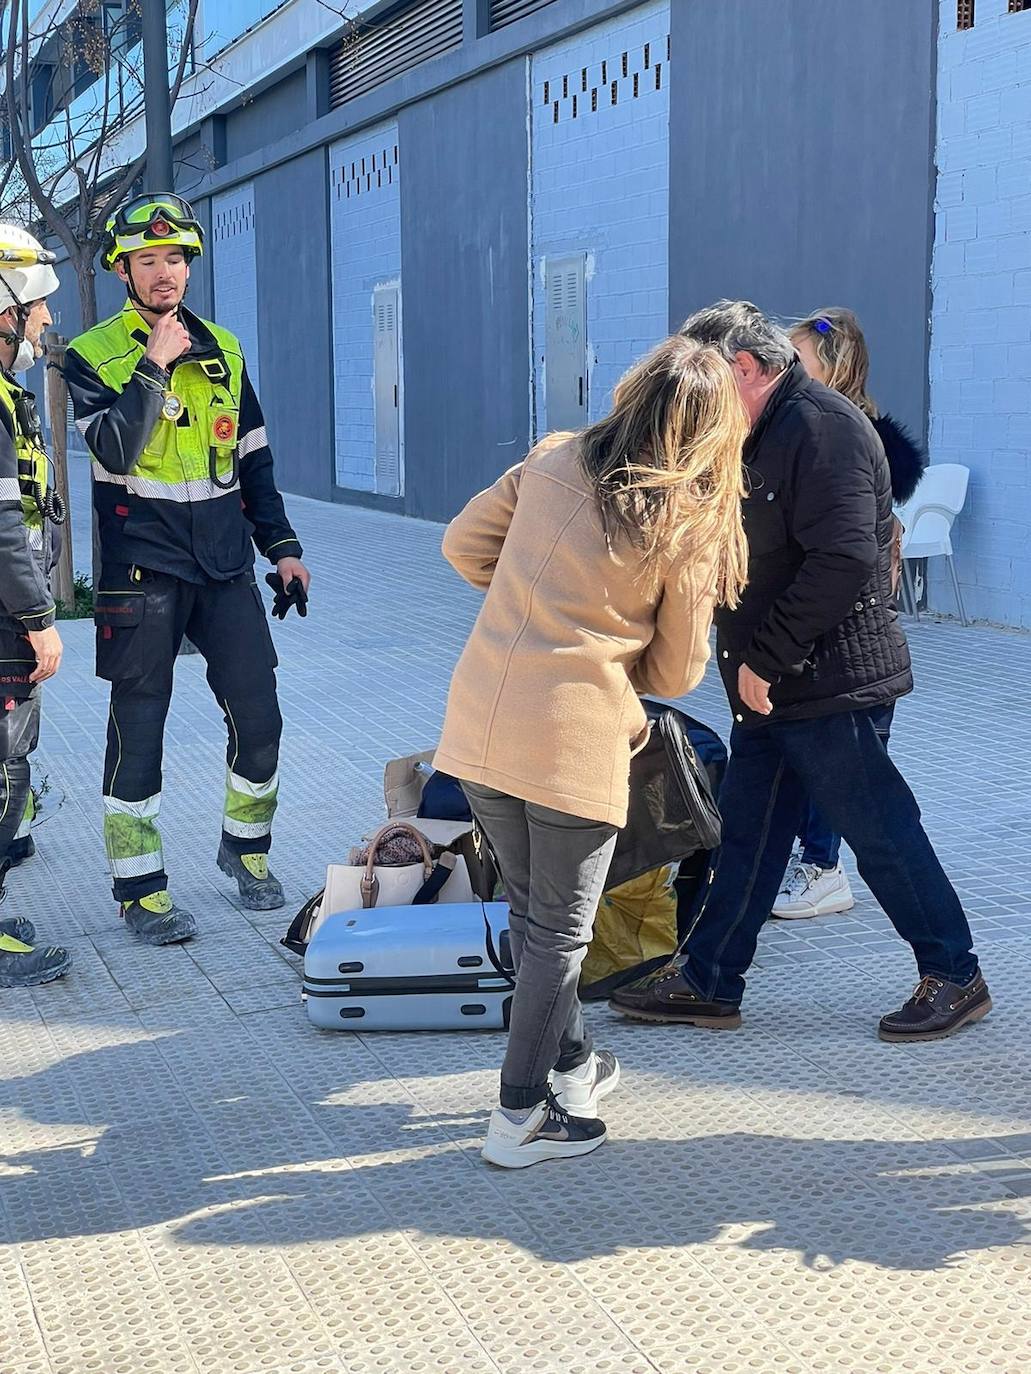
x,y
504,12
233,220
369,172
964,14
584,91
376,53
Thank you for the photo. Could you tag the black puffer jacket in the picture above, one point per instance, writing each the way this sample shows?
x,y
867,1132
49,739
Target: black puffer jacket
x,y
818,619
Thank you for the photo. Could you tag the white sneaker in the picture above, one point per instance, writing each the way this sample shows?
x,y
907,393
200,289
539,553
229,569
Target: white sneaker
x,y
546,1133
813,891
580,1091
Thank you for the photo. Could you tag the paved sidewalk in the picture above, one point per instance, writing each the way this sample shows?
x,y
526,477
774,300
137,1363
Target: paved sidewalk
x,y
193,1181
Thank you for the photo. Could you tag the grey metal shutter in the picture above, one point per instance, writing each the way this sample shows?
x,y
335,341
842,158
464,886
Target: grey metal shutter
x,y
375,53
504,12
565,343
386,388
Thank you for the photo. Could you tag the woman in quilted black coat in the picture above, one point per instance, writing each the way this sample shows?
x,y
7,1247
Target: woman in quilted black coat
x,y
832,348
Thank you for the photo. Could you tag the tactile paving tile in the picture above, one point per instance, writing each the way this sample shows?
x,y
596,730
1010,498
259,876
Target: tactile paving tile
x,y
102,1308
271,1364
151,976
22,1346
237,1304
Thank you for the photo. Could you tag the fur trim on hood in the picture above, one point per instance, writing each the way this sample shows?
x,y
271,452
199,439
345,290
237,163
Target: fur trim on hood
x,y
906,458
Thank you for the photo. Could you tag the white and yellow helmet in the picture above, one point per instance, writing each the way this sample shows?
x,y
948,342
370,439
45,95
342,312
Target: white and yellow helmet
x,y
26,268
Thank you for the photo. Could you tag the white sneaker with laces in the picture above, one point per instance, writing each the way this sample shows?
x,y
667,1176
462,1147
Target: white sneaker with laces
x,y
579,1091
813,891
546,1132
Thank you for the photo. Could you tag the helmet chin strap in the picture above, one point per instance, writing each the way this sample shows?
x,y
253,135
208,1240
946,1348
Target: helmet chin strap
x,y
15,337
130,285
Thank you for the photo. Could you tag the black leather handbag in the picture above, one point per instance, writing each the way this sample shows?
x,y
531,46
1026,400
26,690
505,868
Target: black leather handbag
x,y
674,781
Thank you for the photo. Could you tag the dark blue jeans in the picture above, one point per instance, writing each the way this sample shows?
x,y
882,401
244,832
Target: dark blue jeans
x,y
841,763
821,843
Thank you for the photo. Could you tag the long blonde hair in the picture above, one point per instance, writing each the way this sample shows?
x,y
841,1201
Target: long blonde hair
x,y
838,341
665,464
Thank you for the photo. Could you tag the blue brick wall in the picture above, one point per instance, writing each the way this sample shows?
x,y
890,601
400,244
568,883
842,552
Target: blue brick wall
x,y
365,220
981,324
600,185
234,272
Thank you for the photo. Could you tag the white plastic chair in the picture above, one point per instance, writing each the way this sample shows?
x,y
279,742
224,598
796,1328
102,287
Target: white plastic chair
x,y
927,520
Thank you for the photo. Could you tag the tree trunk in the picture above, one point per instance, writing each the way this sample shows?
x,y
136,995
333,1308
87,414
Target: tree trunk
x,y
86,273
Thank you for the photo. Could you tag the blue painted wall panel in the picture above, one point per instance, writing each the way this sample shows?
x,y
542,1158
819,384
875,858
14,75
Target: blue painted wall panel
x,y
981,325
234,270
601,185
296,352
466,289
365,221
802,139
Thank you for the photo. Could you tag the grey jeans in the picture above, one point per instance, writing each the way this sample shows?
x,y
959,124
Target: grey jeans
x,y
554,868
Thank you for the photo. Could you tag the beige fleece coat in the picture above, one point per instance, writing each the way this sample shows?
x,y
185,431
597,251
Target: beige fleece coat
x,y
544,701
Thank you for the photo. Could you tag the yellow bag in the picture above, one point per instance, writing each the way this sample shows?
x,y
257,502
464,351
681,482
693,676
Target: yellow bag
x,y
635,922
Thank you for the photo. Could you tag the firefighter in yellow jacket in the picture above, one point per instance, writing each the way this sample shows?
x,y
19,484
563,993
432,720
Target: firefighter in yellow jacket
x,y
30,646
183,489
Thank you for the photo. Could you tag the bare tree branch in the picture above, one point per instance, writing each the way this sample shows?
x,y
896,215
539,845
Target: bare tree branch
x,y
62,173
18,122
135,168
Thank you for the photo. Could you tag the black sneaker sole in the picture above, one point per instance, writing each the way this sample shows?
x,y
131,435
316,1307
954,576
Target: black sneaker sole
x,y
967,1019
50,975
662,1018
163,941
160,941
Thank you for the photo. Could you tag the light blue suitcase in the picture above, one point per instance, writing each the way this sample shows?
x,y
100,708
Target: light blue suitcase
x,y
411,968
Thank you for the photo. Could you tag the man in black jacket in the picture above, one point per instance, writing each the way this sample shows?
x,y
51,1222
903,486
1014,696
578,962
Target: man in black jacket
x,y
812,649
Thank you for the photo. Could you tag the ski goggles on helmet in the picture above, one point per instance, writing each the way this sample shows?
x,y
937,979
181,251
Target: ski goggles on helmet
x,y
152,222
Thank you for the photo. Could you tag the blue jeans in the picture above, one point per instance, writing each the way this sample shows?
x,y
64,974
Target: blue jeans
x,y
841,763
821,843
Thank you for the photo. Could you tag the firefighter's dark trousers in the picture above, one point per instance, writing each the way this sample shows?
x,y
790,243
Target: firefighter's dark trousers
x,y
141,620
19,735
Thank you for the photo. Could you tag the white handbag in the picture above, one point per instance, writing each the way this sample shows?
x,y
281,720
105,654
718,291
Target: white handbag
x,y
358,887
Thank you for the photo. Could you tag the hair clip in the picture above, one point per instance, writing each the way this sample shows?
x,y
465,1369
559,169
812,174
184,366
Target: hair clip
x,y
822,326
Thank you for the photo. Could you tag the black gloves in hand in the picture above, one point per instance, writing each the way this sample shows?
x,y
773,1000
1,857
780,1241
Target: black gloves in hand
x,y
291,595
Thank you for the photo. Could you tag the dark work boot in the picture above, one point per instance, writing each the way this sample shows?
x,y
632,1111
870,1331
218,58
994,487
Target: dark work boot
x,y
17,928
22,966
157,921
937,1009
260,890
667,996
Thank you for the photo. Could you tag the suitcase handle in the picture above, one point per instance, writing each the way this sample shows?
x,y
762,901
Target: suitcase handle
x,y
370,883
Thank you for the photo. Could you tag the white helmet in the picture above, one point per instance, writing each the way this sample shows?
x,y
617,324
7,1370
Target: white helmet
x,y
26,271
